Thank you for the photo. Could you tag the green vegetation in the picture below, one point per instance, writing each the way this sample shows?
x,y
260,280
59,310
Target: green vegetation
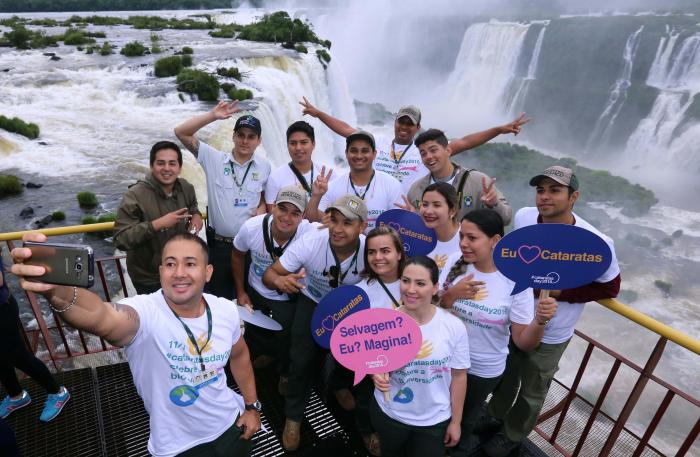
x,y
514,165
226,31
10,185
323,57
204,85
22,38
231,72
106,49
13,6
107,217
58,216
87,200
88,220
75,37
187,50
133,49
235,93
663,286
279,27
301,48
159,23
171,66
17,125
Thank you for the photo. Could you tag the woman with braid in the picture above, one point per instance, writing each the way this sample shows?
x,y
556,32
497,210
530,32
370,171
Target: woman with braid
x,y
481,297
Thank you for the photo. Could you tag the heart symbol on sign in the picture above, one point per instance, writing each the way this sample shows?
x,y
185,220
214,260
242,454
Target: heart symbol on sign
x,y
529,254
328,323
395,225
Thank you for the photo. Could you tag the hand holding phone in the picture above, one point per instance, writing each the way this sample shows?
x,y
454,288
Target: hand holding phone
x,y
64,264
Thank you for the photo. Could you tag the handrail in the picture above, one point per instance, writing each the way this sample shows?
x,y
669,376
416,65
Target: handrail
x,y
623,310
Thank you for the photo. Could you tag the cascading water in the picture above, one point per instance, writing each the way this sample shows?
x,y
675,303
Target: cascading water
x,y
618,95
515,103
485,66
676,72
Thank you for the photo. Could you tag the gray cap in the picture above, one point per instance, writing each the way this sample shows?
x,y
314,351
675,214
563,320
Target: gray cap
x,y
351,206
360,135
410,111
562,175
293,195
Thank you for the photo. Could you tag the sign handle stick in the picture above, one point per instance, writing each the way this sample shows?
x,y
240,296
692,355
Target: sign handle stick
x,y
544,293
387,395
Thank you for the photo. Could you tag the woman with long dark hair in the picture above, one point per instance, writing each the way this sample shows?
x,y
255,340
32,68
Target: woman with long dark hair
x,y
438,210
492,315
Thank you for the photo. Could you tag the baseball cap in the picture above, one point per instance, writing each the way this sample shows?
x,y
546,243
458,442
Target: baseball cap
x,y
562,175
360,135
250,122
412,112
351,206
293,195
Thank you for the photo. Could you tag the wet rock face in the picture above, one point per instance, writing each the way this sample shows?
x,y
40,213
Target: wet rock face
x,y
44,221
55,58
27,212
31,185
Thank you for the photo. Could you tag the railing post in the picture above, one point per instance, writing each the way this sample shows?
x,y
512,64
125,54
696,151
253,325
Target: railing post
x,y
634,396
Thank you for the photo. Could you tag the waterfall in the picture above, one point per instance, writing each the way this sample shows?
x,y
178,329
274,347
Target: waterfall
x,y
676,72
618,95
485,66
516,103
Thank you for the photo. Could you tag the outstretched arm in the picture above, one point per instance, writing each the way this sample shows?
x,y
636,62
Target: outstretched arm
x,y
342,128
186,131
477,139
83,309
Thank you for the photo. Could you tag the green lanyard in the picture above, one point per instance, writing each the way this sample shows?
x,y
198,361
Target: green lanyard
x,y
193,340
352,184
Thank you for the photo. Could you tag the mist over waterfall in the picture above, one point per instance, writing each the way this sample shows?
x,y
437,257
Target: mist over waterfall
x,y
514,104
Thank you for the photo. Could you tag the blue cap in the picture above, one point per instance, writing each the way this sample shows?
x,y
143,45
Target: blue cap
x,y
250,122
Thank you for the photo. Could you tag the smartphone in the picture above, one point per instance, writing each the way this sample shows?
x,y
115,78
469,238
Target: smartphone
x,y
66,264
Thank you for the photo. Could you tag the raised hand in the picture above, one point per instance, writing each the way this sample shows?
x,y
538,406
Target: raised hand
x,y
224,110
489,196
290,284
545,310
407,205
171,219
196,224
320,184
309,109
515,126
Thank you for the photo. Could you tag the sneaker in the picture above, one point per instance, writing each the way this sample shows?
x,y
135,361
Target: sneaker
x,y
499,446
9,405
372,444
291,435
283,386
345,399
54,404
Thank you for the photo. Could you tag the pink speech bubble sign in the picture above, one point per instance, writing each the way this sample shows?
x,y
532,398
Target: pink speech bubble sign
x,y
375,341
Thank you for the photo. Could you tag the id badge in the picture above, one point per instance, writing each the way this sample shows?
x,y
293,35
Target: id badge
x,y
240,202
203,379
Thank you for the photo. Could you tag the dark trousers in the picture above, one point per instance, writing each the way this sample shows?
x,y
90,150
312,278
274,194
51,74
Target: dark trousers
x,y
145,289
304,356
8,442
364,396
403,440
262,341
478,389
228,444
221,282
16,355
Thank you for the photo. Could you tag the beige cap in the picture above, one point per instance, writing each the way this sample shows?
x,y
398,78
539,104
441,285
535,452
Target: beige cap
x,y
410,111
360,135
351,206
293,195
562,175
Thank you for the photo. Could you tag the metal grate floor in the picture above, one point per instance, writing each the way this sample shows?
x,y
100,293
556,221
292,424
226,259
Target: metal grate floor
x,y
106,417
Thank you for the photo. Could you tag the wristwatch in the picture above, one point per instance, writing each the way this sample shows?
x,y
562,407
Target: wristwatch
x,y
256,405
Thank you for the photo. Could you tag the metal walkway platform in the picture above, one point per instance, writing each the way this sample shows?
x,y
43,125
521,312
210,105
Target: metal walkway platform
x,y
106,417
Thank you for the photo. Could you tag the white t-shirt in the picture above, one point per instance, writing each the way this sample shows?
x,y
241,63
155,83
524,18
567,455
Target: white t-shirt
x,y
184,411
443,250
488,317
377,295
407,170
250,238
313,253
383,192
229,205
284,176
561,327
420,390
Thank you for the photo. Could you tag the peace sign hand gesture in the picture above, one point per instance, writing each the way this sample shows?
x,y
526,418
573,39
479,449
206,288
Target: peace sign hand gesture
x,y
224,110
515,126
320,184
489,196
309,109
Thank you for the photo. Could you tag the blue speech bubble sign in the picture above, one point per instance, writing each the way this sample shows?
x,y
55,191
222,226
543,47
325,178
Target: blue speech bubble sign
x,y
417,238
336,306
551,256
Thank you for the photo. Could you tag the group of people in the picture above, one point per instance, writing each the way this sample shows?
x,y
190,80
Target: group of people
x,y
280,240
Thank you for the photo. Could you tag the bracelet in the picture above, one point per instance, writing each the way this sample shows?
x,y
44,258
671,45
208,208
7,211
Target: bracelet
x,y
75,299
